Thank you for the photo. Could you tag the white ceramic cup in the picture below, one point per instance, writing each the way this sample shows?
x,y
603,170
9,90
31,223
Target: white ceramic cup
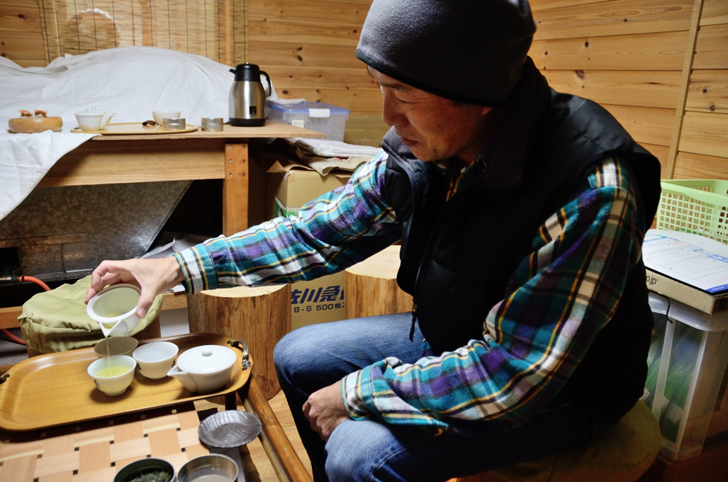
x,y
155,359
114,309
93,120
160,115
112,374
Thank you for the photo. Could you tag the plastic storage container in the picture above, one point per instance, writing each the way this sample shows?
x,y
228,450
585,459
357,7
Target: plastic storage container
x,y
686,364
698,206
317,116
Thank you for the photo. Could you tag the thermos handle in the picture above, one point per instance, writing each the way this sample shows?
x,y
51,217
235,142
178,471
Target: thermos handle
x,y
269,90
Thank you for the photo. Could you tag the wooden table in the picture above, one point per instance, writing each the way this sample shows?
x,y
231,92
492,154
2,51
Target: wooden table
x,y
95,451
188,156
85,436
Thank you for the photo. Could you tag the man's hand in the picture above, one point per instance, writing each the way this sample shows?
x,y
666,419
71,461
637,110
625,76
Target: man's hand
x,y
325,410
153,276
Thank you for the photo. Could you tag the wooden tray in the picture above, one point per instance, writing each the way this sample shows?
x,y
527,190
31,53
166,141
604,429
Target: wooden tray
x,y
54,389
134,128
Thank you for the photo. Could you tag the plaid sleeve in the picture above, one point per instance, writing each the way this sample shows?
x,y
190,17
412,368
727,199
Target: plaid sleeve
x,y
329,233
559,298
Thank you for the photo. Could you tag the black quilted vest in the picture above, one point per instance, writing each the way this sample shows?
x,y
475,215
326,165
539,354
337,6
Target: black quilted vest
x,y
458,256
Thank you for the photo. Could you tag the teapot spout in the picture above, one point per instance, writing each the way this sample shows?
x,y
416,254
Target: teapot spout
x,y
185,378
105,120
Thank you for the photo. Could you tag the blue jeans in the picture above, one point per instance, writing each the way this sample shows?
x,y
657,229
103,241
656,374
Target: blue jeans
x,y
316,356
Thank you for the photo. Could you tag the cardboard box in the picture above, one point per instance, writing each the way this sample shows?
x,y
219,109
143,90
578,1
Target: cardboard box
x,y
702,300
317,301
289,188
688,268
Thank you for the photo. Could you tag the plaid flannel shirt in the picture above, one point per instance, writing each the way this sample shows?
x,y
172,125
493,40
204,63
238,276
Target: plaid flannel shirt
x,y
573,279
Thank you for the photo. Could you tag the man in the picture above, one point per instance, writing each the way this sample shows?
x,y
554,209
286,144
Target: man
x,y
520,213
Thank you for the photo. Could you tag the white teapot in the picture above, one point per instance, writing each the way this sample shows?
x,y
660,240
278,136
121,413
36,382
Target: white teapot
x,y
93,119
204,369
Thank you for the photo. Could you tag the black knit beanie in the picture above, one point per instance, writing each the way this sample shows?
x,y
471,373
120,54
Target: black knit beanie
x,y
466,50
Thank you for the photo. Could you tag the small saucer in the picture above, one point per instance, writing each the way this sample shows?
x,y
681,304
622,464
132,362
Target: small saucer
x,y
229,429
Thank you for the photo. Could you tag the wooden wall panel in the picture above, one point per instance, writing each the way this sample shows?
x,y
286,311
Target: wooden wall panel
x,y
331,11
626,55
705,134
307,47
316,77
619,17
21,36
653,51
715,12
702,147
651,126
634,88
708,91
286,29
711,48
696,166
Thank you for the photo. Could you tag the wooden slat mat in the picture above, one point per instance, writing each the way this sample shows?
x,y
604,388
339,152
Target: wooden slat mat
x,y
96,451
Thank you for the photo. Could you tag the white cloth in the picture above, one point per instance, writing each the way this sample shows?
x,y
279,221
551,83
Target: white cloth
x,y
324,156
324,148
130,81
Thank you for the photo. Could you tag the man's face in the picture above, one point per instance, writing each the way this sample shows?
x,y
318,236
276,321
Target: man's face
x,y
434,128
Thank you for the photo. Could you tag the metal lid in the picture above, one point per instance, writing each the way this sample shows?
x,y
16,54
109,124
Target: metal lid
x,y
212,123
171,123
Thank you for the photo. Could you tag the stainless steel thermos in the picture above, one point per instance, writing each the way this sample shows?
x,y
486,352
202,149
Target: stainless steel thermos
x,y
247,96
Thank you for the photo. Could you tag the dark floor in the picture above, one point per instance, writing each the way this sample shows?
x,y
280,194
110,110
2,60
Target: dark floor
x,y
10,351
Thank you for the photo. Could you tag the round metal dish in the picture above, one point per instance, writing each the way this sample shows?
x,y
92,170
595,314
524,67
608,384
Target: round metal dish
x,y
228,429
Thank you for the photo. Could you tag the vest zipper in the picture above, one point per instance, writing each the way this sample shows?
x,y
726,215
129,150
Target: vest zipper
x,y
414,319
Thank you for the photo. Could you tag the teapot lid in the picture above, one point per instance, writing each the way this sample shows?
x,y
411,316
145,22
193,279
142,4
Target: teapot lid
x,y
93,110
246,72
206,359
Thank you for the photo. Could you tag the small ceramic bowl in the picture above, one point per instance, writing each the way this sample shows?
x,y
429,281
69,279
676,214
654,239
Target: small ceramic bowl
x,y
142,467
160,115
114,309
117,345
155,359
112,374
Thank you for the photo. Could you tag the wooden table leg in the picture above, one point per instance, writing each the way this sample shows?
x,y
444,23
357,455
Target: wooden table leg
x,y
283,457
235,189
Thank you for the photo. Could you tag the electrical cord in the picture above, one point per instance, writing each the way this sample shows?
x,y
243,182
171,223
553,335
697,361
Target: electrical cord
x,y
20,279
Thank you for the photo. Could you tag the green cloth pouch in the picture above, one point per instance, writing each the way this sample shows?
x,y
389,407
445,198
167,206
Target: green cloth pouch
x,y
56,320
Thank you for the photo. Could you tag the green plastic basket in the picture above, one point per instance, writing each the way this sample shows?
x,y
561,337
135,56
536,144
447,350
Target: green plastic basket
x,y
698,206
